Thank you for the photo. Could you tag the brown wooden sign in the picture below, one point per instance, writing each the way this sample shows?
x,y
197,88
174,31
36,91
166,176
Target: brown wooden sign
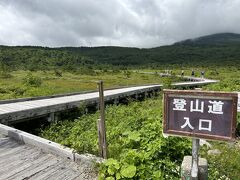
x,y
208,115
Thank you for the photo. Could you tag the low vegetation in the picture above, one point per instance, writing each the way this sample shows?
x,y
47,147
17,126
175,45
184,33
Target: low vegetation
x,y
225,164
137,148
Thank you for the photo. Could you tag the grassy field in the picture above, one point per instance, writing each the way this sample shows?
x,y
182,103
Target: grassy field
x,y
19,84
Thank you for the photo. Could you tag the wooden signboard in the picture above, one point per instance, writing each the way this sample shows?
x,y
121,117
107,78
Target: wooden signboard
x,y
208,115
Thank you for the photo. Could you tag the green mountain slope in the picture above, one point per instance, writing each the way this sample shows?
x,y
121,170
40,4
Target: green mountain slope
x,y
218,49
215,39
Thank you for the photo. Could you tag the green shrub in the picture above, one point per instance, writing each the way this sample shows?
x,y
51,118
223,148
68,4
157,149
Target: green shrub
x,y
14,91
33,81
226,164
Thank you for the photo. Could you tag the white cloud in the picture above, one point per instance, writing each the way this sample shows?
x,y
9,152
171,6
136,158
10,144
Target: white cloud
x,y
140,23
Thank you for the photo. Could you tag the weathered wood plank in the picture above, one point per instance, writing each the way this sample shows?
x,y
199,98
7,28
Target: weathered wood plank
x,y
4,141
13,149
15,163
58,174
18,170
44,174
35,168
26,153
67,174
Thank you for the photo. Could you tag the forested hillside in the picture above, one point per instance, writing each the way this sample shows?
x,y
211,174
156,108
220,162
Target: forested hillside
x,y
214,39
224,51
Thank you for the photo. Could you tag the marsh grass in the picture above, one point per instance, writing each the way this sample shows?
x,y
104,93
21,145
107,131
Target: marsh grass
x,y
40,83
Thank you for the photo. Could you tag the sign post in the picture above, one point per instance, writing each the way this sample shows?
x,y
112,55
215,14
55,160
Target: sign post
x,y
195,149
200,114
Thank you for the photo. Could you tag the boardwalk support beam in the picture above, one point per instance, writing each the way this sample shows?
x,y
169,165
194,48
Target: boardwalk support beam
x,y
53,117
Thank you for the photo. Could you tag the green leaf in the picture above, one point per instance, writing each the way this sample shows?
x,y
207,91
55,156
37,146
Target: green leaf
x,y
128,171
157,174
111,161
118,176
117,166
110,178
135,136
111,170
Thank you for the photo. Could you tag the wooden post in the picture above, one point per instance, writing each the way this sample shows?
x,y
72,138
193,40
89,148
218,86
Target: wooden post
x,y
100,146
195,148
51,117
145,95
136,96
101,123
86,110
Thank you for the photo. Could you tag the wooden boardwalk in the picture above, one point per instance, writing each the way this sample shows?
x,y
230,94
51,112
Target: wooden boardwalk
x,y
12,111
22,156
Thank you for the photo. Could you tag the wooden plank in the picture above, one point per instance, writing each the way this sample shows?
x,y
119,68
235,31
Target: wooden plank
x,y
14,149
19,169
44,174
31,105
35,168
27,152
12,163
66,174
14,107
70,174
7,145
58,174
4,141
4,110
78,177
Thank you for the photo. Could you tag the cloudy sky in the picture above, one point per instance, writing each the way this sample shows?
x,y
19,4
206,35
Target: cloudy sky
x,y
138,23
